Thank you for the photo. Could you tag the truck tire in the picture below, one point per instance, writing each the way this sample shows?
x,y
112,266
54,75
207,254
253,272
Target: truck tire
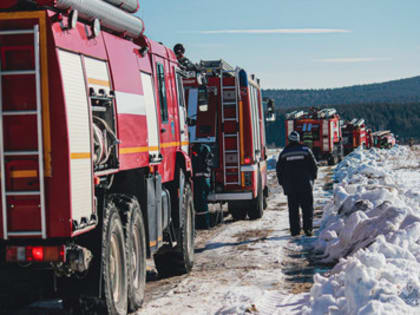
x,y
135,245
237,211
114,262
340,153
180,260
256,208
332,159
265,194
265,203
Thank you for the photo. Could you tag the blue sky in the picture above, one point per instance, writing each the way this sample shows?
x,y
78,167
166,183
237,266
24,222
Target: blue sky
x,y
295,43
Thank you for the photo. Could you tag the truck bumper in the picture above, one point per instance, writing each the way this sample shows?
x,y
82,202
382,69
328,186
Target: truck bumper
x,y
230,196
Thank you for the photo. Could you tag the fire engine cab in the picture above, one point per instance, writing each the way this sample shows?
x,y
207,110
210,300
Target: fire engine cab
x,y
95,172
320,130
354,135
225,112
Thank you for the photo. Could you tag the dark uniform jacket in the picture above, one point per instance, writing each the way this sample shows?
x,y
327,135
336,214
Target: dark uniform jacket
x,y
202,160
296,168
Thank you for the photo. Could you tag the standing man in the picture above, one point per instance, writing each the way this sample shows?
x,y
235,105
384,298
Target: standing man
x,y
202,161
296,172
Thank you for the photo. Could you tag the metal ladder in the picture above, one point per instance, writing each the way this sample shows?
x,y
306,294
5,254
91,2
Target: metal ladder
x,y
228,170
39,153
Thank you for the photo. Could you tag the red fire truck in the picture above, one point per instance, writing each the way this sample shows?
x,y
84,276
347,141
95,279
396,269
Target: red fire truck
x,y
93,151
225,110
320,130
384,139
354,135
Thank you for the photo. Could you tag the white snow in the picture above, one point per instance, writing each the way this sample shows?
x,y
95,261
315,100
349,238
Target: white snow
x,y
372,228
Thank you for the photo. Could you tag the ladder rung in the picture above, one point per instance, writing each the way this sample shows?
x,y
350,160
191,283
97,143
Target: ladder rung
x,y
22,193
231,151
25,233
232,183
231,119
9,153
16,32
231,167
230,135
18,72
229,87
229,103
19,112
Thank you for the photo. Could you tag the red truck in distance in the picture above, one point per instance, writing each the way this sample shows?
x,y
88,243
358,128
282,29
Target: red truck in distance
x,y
355,135
320,130
96,175
383,139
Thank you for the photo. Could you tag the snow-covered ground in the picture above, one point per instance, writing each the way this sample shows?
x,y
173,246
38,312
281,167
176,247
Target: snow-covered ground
x,y
369,230
242,268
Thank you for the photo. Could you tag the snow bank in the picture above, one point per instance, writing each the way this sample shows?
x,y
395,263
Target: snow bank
x,y
372,228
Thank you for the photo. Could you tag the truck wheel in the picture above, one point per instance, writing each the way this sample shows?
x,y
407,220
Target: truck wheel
x,y
114,262
180,259
331,159
256,208
237,212
265,203
136,255
340,153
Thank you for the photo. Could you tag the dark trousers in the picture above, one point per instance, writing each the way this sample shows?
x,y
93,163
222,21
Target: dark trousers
x,y
305,200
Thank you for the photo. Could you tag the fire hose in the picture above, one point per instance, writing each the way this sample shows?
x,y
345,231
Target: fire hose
x,y
104,141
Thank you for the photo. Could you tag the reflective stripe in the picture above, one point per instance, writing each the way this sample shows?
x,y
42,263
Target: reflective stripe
x,y
24,174
201,174
295,153
292,158
80,155
99,82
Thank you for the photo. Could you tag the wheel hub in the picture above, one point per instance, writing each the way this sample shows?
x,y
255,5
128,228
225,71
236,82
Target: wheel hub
x,y
115,268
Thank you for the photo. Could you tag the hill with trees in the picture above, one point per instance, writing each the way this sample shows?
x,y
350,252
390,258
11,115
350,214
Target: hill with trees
x,y
393,92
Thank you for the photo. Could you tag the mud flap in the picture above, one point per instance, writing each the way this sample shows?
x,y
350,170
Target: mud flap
x,y
154,211
180,197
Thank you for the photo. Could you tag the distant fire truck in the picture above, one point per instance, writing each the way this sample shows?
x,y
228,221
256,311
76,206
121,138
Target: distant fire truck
x,y
225,111
320,130
354,135
95,172
383,139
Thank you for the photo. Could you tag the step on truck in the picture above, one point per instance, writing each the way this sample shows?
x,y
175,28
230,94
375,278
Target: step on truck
x,y
95,172
320,130
225,112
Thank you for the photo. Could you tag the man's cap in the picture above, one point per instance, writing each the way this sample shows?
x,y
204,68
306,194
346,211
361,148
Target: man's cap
x,y
294,136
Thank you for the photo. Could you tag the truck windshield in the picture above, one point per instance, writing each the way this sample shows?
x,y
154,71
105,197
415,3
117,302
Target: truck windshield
x,y
201,116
